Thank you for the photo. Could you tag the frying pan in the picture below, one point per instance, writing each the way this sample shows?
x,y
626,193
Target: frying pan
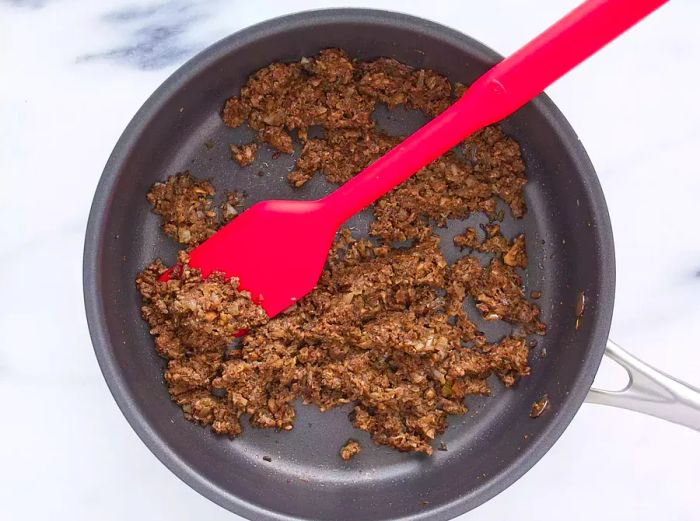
x,y
569,243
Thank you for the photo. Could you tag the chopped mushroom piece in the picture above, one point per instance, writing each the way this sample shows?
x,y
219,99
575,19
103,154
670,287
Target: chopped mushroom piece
x,y
351,449
244,155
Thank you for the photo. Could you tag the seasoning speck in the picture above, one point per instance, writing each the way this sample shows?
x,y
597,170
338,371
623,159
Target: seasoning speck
x,y
268,459
442,446
209,145
535,294
539,406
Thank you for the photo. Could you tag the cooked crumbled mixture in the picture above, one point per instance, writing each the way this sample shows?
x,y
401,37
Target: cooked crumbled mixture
x,y
184,203
339,94
497,160
394,83
244,154
235,112
294,96
333,91
385,330
512,253
340,155
351,449
498,292
188,314
443,189
375,333
516,256
469,240
192,321
277,138
230,206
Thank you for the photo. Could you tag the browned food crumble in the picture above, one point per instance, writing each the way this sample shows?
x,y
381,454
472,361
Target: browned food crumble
x,y
394,83
497,160
244,154
184,203
468,240
386,328
351,449
340,155
452,188
294,96
339,94
498,292
192,320
512,253
230,206
376,333
204,313
539,406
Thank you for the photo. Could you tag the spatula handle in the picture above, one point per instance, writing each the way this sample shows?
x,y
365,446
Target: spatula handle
x,y
499,92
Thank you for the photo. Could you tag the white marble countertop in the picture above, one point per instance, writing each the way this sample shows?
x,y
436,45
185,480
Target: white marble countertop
x,y
73,74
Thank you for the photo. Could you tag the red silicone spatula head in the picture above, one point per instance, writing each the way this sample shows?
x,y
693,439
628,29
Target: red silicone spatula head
x,y
277,250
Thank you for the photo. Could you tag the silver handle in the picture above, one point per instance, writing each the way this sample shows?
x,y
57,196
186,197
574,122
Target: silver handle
x,y
650,391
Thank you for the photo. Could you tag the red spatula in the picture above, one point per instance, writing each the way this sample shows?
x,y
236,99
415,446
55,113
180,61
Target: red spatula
x,y
277,249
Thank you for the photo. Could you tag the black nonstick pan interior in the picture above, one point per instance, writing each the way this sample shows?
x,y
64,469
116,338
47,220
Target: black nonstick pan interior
x,y
569,244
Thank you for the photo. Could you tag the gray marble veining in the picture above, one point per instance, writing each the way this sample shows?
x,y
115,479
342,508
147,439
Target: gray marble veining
x,y
154,34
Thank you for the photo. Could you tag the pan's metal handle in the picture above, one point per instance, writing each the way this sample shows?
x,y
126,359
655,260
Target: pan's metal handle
x,y
650,391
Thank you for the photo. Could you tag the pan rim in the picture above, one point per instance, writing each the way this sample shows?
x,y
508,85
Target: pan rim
x,y
94,238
